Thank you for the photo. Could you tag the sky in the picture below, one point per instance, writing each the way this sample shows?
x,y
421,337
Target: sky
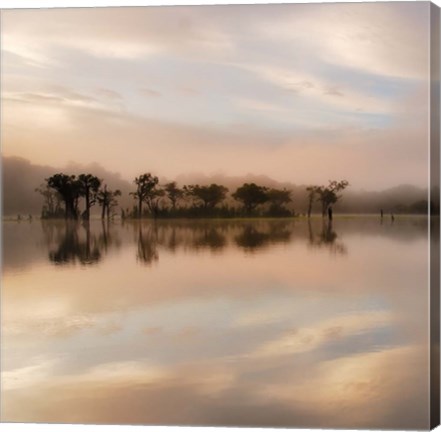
x,y
300,93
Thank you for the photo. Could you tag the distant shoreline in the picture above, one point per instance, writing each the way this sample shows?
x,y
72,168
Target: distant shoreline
x,y
251,218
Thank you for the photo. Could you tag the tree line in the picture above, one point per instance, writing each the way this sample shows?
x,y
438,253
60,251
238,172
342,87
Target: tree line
x,y
64,194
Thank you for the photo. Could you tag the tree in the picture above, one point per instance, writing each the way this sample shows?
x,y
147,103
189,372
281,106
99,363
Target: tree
x,y
208,196
68,188
278,198
88,187
52,202
251,195
107,200
145,184
173,193
312,192
327,195
153,200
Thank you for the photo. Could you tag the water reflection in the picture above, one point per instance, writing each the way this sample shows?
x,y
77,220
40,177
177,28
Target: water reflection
x,y
243,323
327,238
89,243
211,238
76,245
84,243
251,238
147,244
109,237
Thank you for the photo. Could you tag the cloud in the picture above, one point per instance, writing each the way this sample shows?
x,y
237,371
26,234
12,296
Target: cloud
x,y
306,339
334,91
80,127
377,38
149,92
269,85
58,100
322,91
35,373
109,94
60,327
112,33
362,389
359,391
188,90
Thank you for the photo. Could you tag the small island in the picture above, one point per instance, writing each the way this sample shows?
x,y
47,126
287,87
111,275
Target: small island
x,y
72,197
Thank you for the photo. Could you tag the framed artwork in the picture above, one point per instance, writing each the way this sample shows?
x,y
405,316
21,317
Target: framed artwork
x,y
221,215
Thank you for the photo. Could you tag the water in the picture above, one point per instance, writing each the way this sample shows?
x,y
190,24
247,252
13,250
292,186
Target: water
x,y
265,323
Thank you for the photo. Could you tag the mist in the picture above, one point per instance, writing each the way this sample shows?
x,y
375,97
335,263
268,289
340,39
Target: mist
x,y
21,178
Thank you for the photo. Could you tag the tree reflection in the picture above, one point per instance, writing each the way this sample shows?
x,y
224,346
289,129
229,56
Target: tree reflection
x,y
147,244
327,238
181,235
108,238
75,246
252,238
71,242
211,237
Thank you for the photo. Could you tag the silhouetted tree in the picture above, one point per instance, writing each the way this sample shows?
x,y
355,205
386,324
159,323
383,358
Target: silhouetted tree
x,y
107,200
278,198
327,195
251,195
145,184
88,187
312,192
173,193
208,196
68,188
153,200
52,202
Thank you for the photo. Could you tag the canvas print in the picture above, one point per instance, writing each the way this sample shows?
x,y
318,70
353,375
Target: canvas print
x,y
221,215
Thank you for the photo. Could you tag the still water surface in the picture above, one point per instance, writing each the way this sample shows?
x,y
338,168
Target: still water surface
x,y
266,323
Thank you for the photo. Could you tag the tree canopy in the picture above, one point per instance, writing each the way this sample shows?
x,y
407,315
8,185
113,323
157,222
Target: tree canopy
x,y
251,195
207,196
107,200
69,189
326,195
88,188
145,186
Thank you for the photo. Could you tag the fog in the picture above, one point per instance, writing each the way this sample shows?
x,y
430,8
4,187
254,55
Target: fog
x,y
21,178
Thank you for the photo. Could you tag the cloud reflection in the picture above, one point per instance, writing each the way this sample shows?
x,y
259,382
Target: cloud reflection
x,y
216,331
